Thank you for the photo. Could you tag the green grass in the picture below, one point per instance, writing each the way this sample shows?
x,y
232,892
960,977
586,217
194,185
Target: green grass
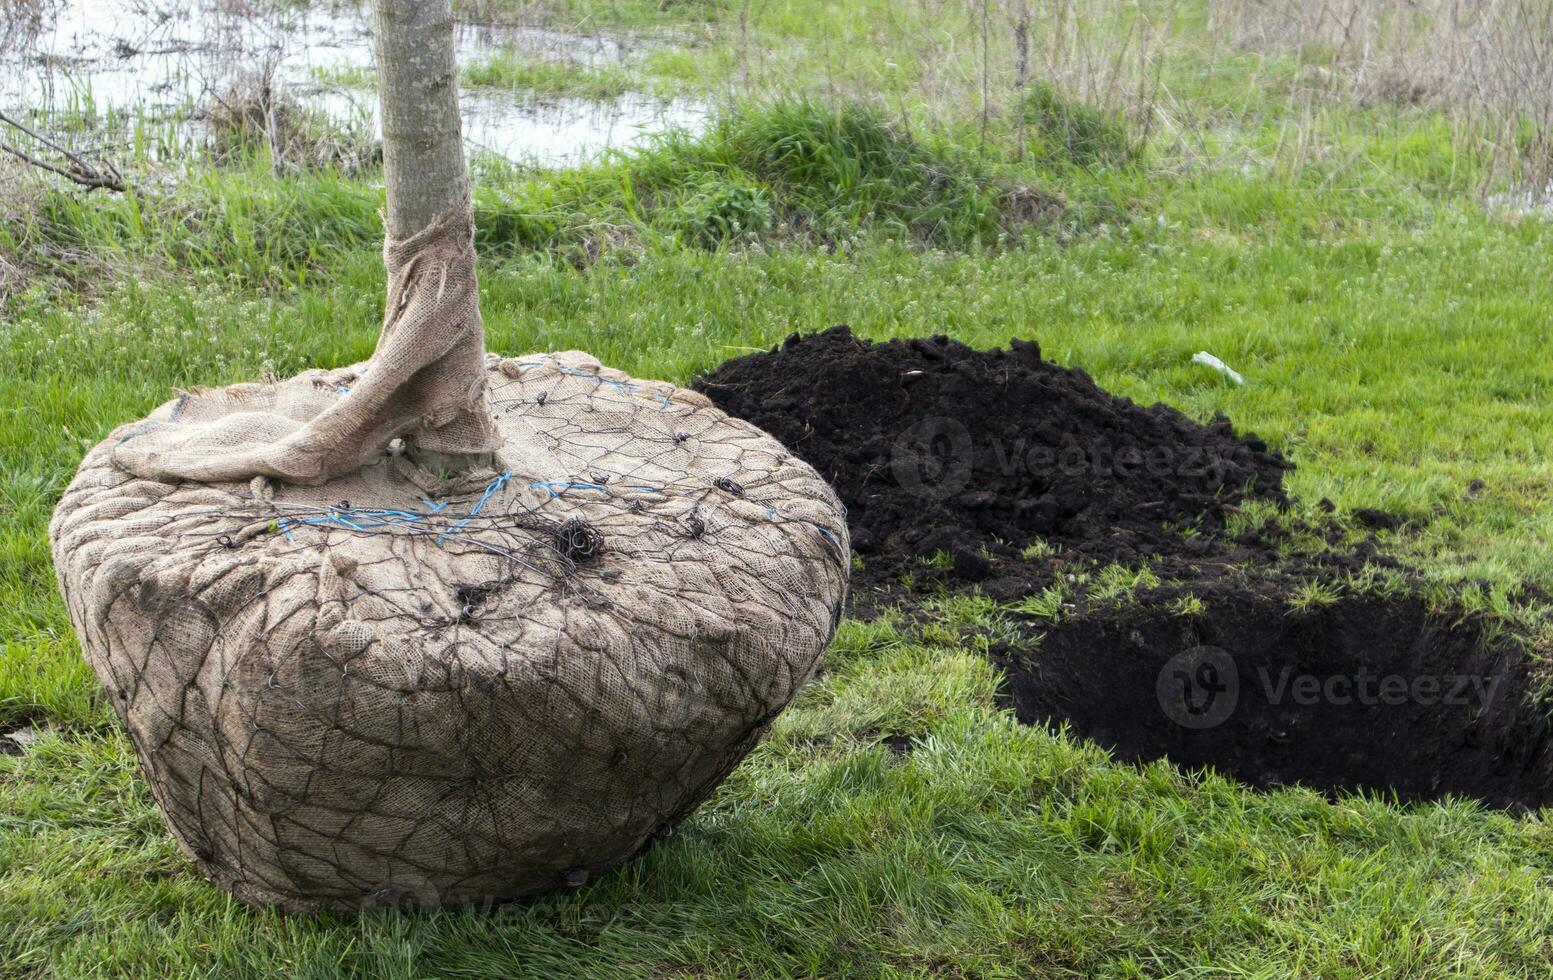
x,y
790,171
1393,333
985,848
518,70
346,76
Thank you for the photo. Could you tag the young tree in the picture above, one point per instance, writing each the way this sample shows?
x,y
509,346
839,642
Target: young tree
x,y
427,183
324,719
426,380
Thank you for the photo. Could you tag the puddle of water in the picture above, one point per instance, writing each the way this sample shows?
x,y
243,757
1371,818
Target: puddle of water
x,y
572,130
110,64
1526,202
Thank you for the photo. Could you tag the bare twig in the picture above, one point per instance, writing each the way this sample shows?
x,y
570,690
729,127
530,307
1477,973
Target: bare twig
x,y
76,169
986,74
744,44
1022,78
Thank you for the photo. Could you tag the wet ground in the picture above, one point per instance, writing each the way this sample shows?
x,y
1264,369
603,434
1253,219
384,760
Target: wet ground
x,y
118,66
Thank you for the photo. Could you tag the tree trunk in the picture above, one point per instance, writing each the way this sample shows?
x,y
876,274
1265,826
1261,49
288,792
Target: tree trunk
x,y
426,380
427,181
423,148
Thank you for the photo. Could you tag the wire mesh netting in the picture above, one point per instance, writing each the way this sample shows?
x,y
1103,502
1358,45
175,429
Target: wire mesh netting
x,y
403,687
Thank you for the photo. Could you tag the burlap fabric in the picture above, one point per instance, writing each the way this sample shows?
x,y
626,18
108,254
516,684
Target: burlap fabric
x,y
399,687
425,382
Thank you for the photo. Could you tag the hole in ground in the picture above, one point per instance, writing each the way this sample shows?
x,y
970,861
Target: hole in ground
x,y
1361,694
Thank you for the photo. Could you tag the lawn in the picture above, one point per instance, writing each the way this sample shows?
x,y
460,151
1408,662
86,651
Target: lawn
x,y
1355,259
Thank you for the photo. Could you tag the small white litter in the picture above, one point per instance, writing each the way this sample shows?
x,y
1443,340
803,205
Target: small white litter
x,y
1203,357
17,742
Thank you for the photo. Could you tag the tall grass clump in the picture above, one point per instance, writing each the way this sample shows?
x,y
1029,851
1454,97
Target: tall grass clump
x,y
254,118
1064,130
796,170
836,168
259,228
524,71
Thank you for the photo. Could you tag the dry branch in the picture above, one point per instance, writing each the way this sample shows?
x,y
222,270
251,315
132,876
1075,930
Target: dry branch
x,y
76,169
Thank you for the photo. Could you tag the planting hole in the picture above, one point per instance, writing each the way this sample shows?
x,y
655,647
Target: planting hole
x,y
1360,694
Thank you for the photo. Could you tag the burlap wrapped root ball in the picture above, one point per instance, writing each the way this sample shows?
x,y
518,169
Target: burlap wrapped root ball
x,y
402,687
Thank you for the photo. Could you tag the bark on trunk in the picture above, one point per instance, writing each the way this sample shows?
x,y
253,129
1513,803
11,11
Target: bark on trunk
x,y
423,148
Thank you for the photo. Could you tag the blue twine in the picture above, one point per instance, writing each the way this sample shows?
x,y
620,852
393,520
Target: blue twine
x,y
490,490
596,379
773,513
368,518
554,489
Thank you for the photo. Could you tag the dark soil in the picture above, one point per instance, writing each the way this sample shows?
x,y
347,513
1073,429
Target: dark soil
x,y
936,447
1363,694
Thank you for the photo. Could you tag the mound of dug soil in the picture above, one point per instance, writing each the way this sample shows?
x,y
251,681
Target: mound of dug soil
x,y
1363,694
935,446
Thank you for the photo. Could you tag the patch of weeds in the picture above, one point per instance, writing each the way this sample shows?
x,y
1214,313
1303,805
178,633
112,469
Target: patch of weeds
x,y
513,69
1038,549
1187,606
837,168
255,118
1065,130
677,68
1252,518
961,611
939,559
1050,604
1115,582
346,76
719,208
1384,582
1309,596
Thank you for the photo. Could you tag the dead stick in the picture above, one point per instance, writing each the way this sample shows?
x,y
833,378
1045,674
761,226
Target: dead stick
x,y
80,170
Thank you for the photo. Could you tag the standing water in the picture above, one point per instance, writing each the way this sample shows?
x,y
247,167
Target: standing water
x,y
108,66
